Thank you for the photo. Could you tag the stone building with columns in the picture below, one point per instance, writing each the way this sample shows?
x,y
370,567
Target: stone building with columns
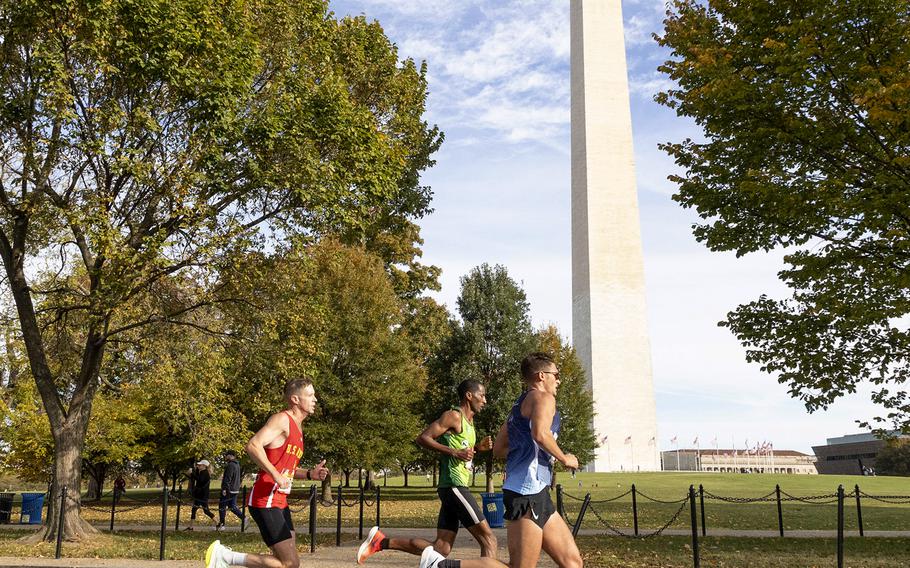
x,y
738,461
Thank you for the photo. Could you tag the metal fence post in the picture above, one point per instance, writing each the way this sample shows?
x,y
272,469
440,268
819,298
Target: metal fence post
x,y
581,515
312,518
859,510
694,515
780,512
840,526
60,522
113,508
560,506
338,517
243,510
179,501
360,526
378,500
163,522
634,510
701,500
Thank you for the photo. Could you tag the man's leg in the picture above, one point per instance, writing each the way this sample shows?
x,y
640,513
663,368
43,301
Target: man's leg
x,y
484,536
559,544
284,555
275,526
232,505
525,539
442,544
222,508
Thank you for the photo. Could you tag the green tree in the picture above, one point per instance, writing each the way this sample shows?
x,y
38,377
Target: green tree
x,y
805,111
185,397
494,334
573,400
147,139
27,443
894,458
333,315
114,438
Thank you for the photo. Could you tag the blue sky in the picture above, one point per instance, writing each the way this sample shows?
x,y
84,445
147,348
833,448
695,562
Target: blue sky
x,y
499,89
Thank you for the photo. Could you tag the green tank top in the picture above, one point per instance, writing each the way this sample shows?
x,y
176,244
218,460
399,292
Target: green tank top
x,y
454,472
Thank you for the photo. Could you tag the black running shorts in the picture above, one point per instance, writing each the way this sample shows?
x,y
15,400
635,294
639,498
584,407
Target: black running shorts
x,y
458,506
538,506
275,525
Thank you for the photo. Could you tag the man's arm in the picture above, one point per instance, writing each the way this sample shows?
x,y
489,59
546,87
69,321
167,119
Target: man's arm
x,y
501,445
542,411
317,473
450,420
276,426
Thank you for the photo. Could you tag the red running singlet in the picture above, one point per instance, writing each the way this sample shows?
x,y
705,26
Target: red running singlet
x,y
285,459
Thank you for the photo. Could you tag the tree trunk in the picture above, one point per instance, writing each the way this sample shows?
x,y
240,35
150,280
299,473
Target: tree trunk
x,y
359,477
490,473
347,477
327,489
97,473
67,473
68,417
404,471
369,482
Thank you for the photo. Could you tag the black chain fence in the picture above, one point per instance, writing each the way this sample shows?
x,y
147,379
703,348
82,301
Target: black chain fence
x,y
31,505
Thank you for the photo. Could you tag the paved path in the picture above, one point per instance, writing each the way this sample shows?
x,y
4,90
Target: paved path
x,y
501,533
324,557
343,556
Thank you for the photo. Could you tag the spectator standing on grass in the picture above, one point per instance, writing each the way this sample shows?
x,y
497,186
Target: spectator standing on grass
x,y
119,487
200,481
230,487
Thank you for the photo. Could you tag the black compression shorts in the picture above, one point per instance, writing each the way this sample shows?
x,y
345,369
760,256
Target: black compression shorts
x,y
275,525
458,506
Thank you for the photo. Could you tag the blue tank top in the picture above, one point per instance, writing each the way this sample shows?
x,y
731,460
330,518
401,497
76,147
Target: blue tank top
x,y
529,468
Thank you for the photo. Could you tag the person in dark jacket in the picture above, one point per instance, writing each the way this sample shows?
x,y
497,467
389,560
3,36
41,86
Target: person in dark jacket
x,y
230,487
200,479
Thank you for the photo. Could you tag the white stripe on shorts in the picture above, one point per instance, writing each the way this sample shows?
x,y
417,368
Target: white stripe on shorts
x,y
467,505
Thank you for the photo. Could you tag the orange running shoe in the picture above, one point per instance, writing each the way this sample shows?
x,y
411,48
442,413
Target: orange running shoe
x,y
371,545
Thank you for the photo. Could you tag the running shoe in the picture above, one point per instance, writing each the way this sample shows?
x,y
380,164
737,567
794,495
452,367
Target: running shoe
x,y
430,558
371,545
214,557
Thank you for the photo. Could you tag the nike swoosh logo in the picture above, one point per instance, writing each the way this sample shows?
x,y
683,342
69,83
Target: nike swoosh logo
x,y
535,515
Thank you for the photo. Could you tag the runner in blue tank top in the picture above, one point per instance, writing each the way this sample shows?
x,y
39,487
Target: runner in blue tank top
x,y
528,442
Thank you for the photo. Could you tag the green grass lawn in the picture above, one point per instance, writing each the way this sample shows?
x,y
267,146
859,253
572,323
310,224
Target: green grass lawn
x,y
676,552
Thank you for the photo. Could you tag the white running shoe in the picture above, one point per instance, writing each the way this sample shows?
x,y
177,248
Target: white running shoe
x,y
430,558
214,557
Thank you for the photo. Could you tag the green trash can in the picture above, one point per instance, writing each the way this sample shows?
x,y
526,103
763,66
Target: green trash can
x,y
32,503
6,507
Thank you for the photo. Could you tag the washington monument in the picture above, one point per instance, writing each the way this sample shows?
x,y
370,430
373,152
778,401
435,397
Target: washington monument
x,y
609,318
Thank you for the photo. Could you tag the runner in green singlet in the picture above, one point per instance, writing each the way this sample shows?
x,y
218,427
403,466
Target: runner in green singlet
x,y
453,436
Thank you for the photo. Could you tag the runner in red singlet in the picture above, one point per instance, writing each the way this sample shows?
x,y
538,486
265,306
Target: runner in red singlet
x,y
277,447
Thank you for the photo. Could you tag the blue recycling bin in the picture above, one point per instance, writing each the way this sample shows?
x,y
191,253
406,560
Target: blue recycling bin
x,y
32,503
493,509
